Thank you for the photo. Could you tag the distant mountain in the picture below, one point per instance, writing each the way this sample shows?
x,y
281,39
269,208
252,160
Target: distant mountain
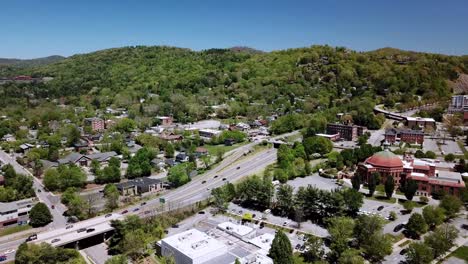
x,y
30,62
246,50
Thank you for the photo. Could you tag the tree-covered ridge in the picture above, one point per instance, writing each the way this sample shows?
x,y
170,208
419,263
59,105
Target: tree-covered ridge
x,y
182,83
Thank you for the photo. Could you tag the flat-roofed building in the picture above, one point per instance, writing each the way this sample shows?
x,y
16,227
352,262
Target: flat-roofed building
x,y
240,231
192,247
420,122
346,132
16,213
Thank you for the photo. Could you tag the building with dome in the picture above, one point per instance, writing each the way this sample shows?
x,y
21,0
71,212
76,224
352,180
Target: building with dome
x,y
430,179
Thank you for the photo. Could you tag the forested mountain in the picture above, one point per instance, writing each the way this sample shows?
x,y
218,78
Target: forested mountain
x,y
185,83
30,62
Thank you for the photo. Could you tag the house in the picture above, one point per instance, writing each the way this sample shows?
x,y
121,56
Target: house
x,y
170,162
81,145
140,186
9,138
182,157
201,151
229,142
165,120
96,123
26,147
208,133
85,160
171,137
158,163
17,212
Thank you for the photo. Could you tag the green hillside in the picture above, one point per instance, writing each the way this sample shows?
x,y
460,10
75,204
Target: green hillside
x,y
183,83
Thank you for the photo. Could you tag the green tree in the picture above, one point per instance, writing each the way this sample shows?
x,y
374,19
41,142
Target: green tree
x,y
45,253
416,225
316,144
409,205
280,250
169,150
372,183
354,200
377,247
40,215
341,231
410,188
451,204
284,199
351,256
178,175
433,215
389,187
366,226
118,259
356,182
442,239
315,250
418,253
111,193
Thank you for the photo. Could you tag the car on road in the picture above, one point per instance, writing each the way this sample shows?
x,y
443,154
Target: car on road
x,y
380,208
3,257
298,246
203,182
124,211
55,240
285,223
69,226
216,176
32,237
108,215
89,230
201,212
262,225
238,167
53,207
224,179
39,190
81,230
175,226
398,227
143,203
9,251
136,209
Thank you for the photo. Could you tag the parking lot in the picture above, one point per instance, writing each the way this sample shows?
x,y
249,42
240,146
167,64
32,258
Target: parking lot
x,y
314,180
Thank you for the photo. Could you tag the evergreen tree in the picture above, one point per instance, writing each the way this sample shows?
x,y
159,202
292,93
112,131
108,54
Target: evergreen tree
x,y
389,187
281,250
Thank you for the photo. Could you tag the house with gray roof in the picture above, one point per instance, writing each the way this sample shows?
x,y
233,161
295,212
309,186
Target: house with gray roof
x,y
140,186
85,160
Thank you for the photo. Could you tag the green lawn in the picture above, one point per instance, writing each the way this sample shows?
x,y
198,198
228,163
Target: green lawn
x,y
416,204
214,149
14,229
461,253
381,199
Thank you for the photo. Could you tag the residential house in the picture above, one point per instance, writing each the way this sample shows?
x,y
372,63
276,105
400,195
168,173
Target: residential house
x,y
171,137
26,147
182,157
140,186
201,151
9,138
208,133
81,145
85,160
165,120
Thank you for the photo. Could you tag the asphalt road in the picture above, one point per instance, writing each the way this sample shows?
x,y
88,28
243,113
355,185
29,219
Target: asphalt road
x,y
46,197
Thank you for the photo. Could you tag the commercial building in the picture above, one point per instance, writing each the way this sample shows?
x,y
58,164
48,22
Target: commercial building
x,y
458,104
430,179
192,247
139,186
346,132
16,213
208,133
394,135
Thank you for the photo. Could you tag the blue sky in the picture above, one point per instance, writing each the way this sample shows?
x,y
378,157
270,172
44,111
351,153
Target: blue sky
x,y
30,29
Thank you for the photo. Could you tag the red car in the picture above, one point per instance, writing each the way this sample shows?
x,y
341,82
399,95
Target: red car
x,y
125,211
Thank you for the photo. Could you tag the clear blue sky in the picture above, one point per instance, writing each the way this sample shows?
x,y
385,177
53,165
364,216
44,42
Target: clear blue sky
x,y
39,28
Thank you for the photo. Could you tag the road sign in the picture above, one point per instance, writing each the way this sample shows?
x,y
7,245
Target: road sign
x,y
162,200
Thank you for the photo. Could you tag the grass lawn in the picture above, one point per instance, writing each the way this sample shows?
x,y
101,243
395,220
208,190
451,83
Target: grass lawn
x,y
214,149
396,238
404,243
461,253
416,204
14,229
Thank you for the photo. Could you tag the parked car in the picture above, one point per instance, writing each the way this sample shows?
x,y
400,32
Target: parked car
x,y
32,237
216,176
175,226
143,203
3,257
285,223
39,190
108,215
203,182
89,230
136,209
238,167
380,208
298,246
69,226
398,227
81,230
55,240
53,207
224,179
201,212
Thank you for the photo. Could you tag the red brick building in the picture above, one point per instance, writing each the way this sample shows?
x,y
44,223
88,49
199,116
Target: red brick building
x,y
346,132
410,136
430,180
97,124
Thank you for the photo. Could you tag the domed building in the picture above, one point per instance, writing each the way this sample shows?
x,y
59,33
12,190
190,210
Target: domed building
x,y
424,172
385,163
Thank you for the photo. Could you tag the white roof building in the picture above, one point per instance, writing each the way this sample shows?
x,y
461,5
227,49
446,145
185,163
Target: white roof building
x,y
192,247
240,231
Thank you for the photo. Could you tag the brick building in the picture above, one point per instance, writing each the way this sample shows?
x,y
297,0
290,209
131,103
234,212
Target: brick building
x,y
410,136
96,123
346,132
